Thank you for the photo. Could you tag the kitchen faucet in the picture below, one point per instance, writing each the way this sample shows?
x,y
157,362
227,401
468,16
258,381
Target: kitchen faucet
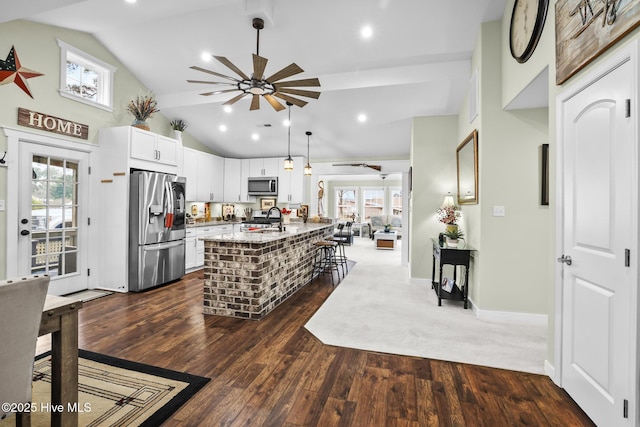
x,y
280,217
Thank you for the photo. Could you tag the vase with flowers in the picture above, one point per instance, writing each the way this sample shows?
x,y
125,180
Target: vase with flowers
x,y
285,215
142,108
449,215
178,126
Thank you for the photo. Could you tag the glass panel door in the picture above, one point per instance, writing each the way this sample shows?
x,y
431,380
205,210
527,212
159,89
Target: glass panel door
x,y
54,216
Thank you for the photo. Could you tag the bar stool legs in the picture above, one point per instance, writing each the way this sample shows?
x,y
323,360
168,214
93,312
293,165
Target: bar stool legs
x,y
325,260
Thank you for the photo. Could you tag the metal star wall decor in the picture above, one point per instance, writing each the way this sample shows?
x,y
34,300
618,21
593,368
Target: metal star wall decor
x,y
11,71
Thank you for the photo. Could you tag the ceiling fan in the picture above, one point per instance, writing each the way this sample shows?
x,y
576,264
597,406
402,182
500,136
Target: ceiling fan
x,y
364,165
257,85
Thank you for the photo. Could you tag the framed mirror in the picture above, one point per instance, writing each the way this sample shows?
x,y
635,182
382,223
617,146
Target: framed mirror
x,y
467,161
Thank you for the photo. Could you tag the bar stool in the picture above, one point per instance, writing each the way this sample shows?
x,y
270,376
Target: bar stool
x,y
324,260
341,238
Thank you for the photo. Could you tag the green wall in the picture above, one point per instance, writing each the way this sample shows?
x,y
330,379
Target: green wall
x,y
37,48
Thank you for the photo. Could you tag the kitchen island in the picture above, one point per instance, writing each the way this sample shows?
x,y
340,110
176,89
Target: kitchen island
x,y
247,274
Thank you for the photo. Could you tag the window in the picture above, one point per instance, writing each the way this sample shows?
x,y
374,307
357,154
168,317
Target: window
x,y
346,203
84,78
396,200
372,202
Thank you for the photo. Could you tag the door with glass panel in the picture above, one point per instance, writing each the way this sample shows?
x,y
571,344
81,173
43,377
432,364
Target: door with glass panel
x,y
52,225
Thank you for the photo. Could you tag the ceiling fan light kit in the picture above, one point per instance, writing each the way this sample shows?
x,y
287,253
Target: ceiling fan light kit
x,y
257,85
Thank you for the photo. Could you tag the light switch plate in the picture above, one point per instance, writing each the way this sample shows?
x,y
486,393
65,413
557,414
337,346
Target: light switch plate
x,y
498,211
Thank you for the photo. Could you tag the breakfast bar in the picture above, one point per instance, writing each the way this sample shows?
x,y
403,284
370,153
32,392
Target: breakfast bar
x,y
249,273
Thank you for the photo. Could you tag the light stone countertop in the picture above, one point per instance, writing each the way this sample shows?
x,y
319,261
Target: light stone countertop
x,y
292,229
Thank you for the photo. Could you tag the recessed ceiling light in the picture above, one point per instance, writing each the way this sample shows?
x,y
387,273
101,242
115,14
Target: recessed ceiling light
x,y
206,56
366,32
222,128
130,1
228,109
286,123
362,118
255,136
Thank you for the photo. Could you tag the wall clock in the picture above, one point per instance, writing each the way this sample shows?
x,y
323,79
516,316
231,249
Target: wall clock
x,y
527,22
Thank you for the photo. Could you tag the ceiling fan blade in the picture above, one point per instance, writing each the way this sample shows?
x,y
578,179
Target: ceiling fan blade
x,y
308,93
211,83
274,102
204,70
259,64
291,99
235,99
255,103
216,92
374,167
294,83
232,67
288,71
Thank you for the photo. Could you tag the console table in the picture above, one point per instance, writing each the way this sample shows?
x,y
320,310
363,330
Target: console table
x,y
451,256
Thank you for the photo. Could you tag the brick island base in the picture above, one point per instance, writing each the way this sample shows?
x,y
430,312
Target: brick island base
x,y
246,275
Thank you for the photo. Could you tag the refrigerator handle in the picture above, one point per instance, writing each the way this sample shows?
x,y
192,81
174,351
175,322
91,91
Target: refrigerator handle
x,y
168,197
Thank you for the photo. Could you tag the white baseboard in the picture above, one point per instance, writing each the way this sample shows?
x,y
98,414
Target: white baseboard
x,y
549,369
511,316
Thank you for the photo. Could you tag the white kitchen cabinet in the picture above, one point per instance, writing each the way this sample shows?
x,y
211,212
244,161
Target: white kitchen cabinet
x,y
205,176
268,166
244,182
190,249
152,147
232,180
291,183
141,149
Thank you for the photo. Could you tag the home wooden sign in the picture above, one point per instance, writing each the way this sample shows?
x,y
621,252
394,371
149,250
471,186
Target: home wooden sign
x,y
42,121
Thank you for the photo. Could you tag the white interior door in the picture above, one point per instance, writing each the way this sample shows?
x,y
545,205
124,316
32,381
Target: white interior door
x,y
52,216
597,331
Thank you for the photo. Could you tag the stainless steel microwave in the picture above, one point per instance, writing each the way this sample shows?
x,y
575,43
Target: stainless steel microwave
x,y
263,186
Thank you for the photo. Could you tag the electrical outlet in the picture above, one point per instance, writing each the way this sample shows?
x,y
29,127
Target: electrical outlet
x,y
2,206
498,211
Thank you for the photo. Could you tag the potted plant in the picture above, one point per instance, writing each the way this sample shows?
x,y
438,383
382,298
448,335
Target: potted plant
x,y
142,108
387,228
178,126
453,235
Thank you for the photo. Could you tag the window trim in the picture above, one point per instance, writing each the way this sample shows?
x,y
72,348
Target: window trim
x,y
107,72
364,189
355,189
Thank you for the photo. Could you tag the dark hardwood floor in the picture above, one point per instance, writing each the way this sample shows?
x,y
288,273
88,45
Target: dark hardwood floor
x,y
273,372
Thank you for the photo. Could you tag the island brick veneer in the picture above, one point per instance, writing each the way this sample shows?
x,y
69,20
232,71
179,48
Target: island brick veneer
x,y
249,279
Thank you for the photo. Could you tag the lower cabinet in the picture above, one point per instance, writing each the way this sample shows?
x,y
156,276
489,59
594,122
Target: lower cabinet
x,y
190,249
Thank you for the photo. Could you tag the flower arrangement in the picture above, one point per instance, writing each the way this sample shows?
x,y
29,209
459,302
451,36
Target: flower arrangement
x,y
142,107
449,214
178,124
286,211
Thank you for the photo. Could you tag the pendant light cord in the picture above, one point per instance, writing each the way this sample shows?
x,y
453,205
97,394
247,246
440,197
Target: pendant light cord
x,y
289,146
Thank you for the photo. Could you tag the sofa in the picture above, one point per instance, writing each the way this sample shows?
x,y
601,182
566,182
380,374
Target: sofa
x,y
378,222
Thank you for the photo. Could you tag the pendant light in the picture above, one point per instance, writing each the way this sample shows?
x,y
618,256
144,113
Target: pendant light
x,y
288,162
307,167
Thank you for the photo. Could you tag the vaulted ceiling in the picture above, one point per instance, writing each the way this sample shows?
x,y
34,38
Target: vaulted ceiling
x,y
416,63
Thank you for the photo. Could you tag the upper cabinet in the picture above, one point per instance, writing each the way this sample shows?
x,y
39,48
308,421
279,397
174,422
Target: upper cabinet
x,y
205,176
152,147
244,182
291,183
131,147
264,167
232,180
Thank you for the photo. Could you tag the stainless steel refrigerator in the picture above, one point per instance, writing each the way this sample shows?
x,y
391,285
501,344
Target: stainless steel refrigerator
x,y
156,229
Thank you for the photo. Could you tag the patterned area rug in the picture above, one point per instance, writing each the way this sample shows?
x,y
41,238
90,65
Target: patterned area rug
x,y
116,392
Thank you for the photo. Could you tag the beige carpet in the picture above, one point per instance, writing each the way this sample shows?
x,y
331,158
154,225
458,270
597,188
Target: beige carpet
x,y
114,392
377,308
